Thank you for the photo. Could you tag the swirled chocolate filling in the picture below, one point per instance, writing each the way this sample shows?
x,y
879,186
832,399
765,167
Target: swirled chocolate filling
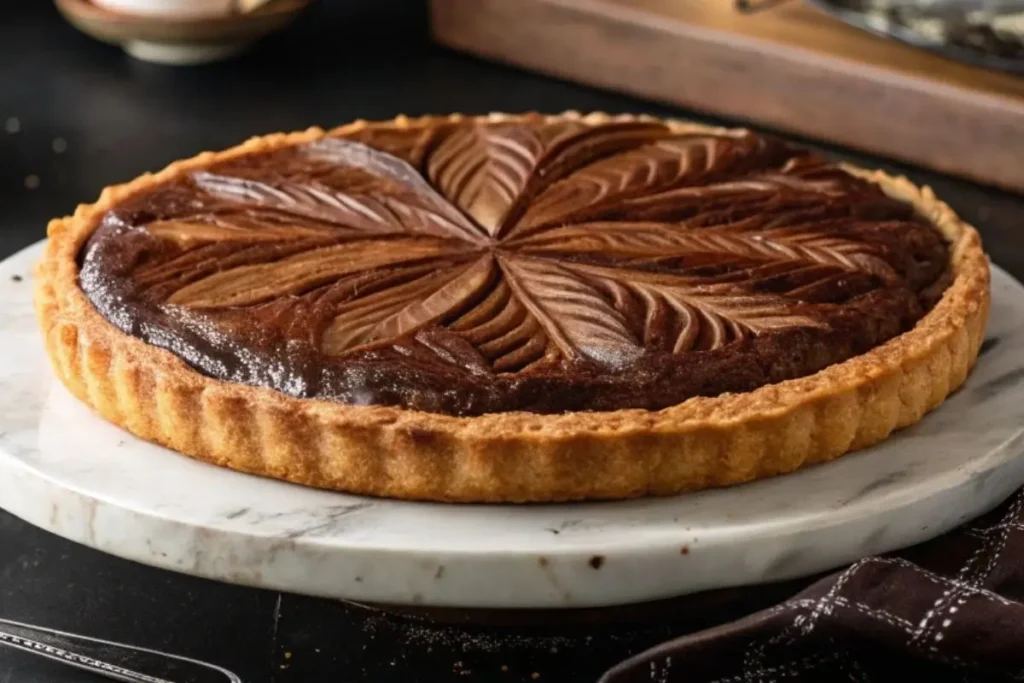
x,y
538,265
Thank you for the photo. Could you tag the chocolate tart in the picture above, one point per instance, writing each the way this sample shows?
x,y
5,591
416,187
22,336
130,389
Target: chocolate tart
x,y
513,308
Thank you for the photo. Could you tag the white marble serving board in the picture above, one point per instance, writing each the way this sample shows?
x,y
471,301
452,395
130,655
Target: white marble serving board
x,y
65,470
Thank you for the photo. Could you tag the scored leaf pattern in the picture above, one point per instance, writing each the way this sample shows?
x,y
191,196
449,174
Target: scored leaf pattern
x,y
529,244
483,170
649,171
633,242
722,307
575,316
397,311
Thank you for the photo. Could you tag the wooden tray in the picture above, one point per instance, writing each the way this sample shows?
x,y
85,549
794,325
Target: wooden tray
x,y
791,68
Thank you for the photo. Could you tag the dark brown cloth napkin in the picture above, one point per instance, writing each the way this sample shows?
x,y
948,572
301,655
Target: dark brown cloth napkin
x,y
951,609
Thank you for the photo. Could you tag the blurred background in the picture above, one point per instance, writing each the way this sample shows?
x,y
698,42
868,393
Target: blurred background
x,y
78,114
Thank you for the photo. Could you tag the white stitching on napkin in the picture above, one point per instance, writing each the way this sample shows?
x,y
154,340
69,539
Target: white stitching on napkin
x,y
927,633
968,580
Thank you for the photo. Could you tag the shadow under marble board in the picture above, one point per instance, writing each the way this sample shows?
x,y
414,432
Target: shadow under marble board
x,y
67,471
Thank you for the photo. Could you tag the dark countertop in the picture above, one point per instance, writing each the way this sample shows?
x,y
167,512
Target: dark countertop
x,y
120,118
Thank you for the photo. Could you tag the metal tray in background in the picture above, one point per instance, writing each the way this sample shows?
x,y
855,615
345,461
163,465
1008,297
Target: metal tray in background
x,y
870,16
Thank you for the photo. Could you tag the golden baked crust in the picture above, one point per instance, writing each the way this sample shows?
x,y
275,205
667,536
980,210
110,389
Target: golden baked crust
x,y
401,453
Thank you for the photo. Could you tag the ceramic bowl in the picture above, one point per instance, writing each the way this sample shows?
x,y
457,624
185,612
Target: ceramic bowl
x,y
178,32
175,9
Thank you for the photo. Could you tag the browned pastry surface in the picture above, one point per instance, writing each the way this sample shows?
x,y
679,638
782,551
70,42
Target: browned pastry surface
x,y
530,265
523,308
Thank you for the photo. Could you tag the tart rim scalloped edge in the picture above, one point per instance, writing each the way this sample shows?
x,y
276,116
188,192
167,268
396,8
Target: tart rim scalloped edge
x,y
517,456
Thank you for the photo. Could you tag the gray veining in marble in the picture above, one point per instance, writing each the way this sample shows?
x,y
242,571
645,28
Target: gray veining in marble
x,y
65,470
